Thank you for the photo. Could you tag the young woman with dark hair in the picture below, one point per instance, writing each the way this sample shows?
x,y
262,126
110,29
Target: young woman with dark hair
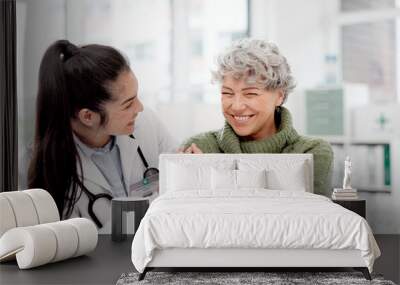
x,y
87,113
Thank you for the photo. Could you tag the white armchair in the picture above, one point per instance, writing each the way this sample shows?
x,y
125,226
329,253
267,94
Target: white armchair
x,y
31,230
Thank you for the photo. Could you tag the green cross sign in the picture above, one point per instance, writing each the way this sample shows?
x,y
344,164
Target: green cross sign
x,y
382,120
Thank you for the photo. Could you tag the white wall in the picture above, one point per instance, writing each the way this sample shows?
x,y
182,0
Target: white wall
x,y
39,23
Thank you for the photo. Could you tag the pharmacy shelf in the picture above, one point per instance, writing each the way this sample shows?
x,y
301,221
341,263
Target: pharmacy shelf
x,y
377,189
342,140
347,145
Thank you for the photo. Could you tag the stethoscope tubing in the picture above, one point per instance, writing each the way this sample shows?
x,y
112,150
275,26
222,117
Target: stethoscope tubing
x,y
149,173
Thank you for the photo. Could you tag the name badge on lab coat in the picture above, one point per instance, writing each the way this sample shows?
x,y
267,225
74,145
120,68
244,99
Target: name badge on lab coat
x,y
145,187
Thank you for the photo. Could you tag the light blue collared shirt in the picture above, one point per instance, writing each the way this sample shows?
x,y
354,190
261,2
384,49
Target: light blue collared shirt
x,y
108,161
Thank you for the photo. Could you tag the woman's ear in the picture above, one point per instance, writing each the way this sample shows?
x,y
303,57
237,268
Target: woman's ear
x,y
281,97
88,117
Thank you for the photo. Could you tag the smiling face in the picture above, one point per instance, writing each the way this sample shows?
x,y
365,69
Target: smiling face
x,y
249,108
120,113
125,106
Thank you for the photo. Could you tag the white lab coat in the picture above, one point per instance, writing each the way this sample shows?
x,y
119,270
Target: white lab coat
x,y
152,138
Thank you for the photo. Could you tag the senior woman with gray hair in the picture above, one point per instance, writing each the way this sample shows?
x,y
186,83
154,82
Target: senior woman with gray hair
x,y
255,81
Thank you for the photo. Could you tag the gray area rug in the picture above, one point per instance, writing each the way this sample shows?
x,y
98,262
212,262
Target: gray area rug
x,y
226,278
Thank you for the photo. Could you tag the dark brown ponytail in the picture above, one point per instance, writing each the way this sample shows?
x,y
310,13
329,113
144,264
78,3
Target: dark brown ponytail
x,y
70,78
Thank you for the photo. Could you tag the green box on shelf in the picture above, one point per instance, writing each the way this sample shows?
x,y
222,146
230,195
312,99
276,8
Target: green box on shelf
x,y
324,112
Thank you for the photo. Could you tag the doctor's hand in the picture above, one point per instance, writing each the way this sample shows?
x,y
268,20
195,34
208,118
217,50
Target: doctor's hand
x,y
193,148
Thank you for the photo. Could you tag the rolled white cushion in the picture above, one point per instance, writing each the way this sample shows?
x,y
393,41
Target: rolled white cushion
x,y
40,244
33,246
67,240
87,234
45,206
7,218
26,208
23,208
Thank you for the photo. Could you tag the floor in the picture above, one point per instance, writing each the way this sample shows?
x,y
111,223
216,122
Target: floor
x,y
389,262
102,266
110,260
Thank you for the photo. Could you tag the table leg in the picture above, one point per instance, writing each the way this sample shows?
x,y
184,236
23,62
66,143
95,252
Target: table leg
x,y
140,210
116,223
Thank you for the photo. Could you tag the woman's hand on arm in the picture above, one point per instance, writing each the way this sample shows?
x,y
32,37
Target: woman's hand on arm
x,y
193,148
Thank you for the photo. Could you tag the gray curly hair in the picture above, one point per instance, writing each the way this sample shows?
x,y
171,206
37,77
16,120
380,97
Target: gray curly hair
x,y
257,61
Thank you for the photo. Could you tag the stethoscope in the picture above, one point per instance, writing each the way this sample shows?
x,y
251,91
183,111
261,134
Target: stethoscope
x,y
148,175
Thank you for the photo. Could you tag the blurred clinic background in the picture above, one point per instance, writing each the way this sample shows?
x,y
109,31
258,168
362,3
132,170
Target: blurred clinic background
x,y
344,54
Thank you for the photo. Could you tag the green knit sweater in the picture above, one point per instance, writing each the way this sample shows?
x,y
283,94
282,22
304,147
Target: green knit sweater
x,y
286,140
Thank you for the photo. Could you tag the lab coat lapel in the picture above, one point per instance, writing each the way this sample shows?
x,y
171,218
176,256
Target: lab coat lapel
x,y
92,173
128,149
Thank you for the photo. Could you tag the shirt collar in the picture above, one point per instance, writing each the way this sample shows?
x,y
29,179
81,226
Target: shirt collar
x,y
89,151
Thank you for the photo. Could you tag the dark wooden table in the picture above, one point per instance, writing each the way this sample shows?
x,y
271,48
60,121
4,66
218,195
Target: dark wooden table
x,y
110,259
102,266
358,206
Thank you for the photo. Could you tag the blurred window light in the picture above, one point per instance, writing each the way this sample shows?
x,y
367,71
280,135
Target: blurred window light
x,y
359,5
213,25
370,46
140,29
171,45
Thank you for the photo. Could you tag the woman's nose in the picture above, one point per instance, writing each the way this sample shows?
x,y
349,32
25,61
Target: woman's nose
x,y
238,103
138,107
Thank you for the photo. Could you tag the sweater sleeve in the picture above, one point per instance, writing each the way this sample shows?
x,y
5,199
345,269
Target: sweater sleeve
x,y
323,166
207,142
